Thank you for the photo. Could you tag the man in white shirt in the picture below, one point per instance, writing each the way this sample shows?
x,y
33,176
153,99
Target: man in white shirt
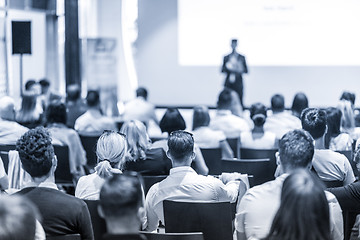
x,y
184,184
259,205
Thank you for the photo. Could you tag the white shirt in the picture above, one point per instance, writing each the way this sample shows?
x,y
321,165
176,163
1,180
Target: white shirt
x,y
267,141
205,137
139,109
10,132
184,184
93,123
229,124
281,123
342,142
88,187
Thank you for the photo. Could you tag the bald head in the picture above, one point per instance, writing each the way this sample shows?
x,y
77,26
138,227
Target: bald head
x,y
7,111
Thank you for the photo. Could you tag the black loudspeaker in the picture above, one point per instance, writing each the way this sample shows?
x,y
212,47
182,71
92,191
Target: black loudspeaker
x,y
21,37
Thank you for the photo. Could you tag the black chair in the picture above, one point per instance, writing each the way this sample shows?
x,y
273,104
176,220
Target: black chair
x,y
214,219
173,236
234,144
333,184
259,168
65,237
151,180
212,157
63,174
89,144
4,151
350,218
98,223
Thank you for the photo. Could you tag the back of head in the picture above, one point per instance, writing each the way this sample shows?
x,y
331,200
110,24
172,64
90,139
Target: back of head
x,y
141,92
181,145
110,151
296,150
258,114
17,218
348,118
333,121
303,206
7,108
56,112
36,152
349,97
224,99
172,121
300,102
277,103
45,84
73,92
201,117
314,121
29,83
93,98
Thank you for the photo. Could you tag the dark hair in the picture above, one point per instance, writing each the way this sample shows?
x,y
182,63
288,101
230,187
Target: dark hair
x,y
44,82
73,92
121,196
28,106
141,92
258,114
348,96
304,211
333,119
36,151
92,98
29,84
201,117
300,102
296,149
314,121
277,102
181,144
224,99
172,121
56,112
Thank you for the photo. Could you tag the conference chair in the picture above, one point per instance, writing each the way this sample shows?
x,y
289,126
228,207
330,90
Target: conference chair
x,y
65,237
4,151
89,144
234,144
63,174
151,180
98,223
213,219
212,157
173,236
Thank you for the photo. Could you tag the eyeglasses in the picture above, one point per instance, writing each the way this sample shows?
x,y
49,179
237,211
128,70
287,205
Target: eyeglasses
x,y
111,131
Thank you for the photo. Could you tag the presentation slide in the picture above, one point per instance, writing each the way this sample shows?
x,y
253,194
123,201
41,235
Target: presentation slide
x,y
270,32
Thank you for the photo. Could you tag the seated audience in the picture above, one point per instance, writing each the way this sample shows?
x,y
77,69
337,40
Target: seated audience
x,y
75,105
205,137
300,102
259,205
304,211
348,119
110,151
93,122
64,136
334,139
29,115
281,121
328,165
62,214
121,205
184,184
224,120
173,121
140,156
258,138
10,131
47,96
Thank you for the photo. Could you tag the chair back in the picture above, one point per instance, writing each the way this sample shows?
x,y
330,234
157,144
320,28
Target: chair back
x,y
4,151
213,219
65,237
212,157
151,180
249,153
89,144
234,144
98,223
259,168
62,173
173,236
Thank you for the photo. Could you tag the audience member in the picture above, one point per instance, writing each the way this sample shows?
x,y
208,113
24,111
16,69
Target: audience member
x,y
329,165
47,96
304,211
173,121
140,109
110,151
334,139
300,102
184,184
140,156
121,205
259,205
258,138
32,87
224,120
75,105
93,122
62,214
281,121
64,136
205,137
348,119
348,96
29,115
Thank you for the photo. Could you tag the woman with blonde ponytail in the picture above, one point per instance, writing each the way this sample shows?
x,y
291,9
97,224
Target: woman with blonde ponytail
x,y
111,148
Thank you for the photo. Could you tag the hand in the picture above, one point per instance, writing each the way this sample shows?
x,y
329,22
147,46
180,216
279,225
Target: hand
x,y
227,177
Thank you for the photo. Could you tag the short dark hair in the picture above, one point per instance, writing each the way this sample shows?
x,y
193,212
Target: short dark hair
x,y
121,196
201,117
181,144
44,82
296,149
277,102
56,112
73,92
29,83
92,98
348,96
333,120
258,114
300,102
141,92
314,121
224,99
172,121
36,151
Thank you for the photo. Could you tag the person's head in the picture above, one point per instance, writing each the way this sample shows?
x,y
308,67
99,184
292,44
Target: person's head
x,y
141,92
37,153
333,123
7,108
28,111
258,114
110,151
349,97
181,148
348,118
93,99
121,203
56,112
224,99
234,43
73,92
300,102
172,121
137,140
314,121
277,103
45,85
17,218
201,117
31,86
303,206
296,150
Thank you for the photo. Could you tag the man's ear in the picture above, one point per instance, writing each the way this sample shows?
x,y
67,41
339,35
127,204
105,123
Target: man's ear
x,y
277,156
100,211
168,154
193,155
54,162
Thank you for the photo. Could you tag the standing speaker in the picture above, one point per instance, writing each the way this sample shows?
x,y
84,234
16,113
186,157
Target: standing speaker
x,y
21,37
